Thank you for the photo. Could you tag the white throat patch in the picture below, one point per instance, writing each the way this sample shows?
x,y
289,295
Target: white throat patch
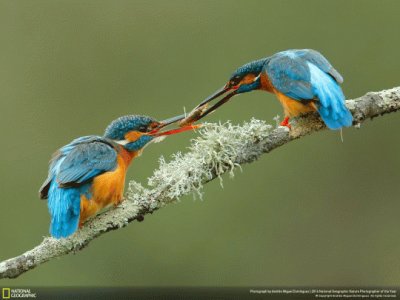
x,y
122,142
155,140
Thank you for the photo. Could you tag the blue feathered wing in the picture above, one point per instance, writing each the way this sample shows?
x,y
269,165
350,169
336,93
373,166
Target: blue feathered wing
x,y
307,75
70,174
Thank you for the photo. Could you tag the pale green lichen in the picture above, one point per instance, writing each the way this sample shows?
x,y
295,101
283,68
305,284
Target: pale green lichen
x,y
235,144
220,148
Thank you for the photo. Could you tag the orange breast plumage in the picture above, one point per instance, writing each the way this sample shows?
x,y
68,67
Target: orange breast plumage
x,y
292,107
107,188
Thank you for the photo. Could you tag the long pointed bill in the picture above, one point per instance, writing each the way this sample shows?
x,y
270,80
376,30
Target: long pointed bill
x,y
171,121
218,93
218,104
201,110
166,122
175,131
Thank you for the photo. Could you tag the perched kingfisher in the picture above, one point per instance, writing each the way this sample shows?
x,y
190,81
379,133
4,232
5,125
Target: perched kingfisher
x,y
303,81
88,174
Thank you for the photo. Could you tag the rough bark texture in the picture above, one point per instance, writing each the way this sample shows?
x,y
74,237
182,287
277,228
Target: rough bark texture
x,y
218,149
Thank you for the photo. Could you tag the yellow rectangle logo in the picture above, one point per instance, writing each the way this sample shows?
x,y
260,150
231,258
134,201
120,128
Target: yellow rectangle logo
x,y
6,293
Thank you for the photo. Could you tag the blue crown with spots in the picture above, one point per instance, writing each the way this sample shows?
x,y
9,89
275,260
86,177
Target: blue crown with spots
x,y
254,67
119,127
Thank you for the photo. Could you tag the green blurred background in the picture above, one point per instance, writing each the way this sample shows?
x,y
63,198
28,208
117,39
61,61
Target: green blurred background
x,y
314,212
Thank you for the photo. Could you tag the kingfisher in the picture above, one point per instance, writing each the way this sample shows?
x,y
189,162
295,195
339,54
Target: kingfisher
x,y
303,80
88,174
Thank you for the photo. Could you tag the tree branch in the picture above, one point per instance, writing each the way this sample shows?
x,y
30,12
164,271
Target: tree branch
x,y
218,149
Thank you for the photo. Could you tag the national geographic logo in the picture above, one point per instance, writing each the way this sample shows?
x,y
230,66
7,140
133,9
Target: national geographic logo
x,y
5,293
8,293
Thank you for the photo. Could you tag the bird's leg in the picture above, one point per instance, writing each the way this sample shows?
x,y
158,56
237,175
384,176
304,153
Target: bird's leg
x,y
118,201
285,122
88,208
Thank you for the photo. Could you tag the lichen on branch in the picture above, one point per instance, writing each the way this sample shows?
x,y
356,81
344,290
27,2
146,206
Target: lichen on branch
x,y
218,149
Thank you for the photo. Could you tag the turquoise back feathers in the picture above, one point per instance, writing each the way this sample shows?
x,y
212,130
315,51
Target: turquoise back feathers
x,y
307,75
74,167
303,75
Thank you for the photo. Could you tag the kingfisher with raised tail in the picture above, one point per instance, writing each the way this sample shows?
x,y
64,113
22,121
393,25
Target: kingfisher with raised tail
x,y
303,81
88,174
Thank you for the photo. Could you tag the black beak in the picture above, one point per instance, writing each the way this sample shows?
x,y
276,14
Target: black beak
x,y
200,111
218,104
218,93
166,122
169,121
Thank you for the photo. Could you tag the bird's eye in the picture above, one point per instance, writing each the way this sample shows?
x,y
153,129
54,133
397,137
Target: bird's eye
x,y
143,128
153,126
235,80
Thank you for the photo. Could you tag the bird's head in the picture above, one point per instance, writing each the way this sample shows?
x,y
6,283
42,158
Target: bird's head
x,y
245,79
134,132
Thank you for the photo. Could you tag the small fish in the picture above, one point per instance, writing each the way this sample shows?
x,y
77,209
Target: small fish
x,y
193,116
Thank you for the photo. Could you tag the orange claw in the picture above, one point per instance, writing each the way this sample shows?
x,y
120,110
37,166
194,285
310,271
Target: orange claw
x,y
285,123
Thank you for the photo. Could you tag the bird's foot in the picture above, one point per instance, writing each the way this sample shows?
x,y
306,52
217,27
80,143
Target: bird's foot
x,y
285,123
117,202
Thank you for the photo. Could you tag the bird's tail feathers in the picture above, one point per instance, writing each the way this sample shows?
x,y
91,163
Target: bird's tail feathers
x,y
64,208
331,105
